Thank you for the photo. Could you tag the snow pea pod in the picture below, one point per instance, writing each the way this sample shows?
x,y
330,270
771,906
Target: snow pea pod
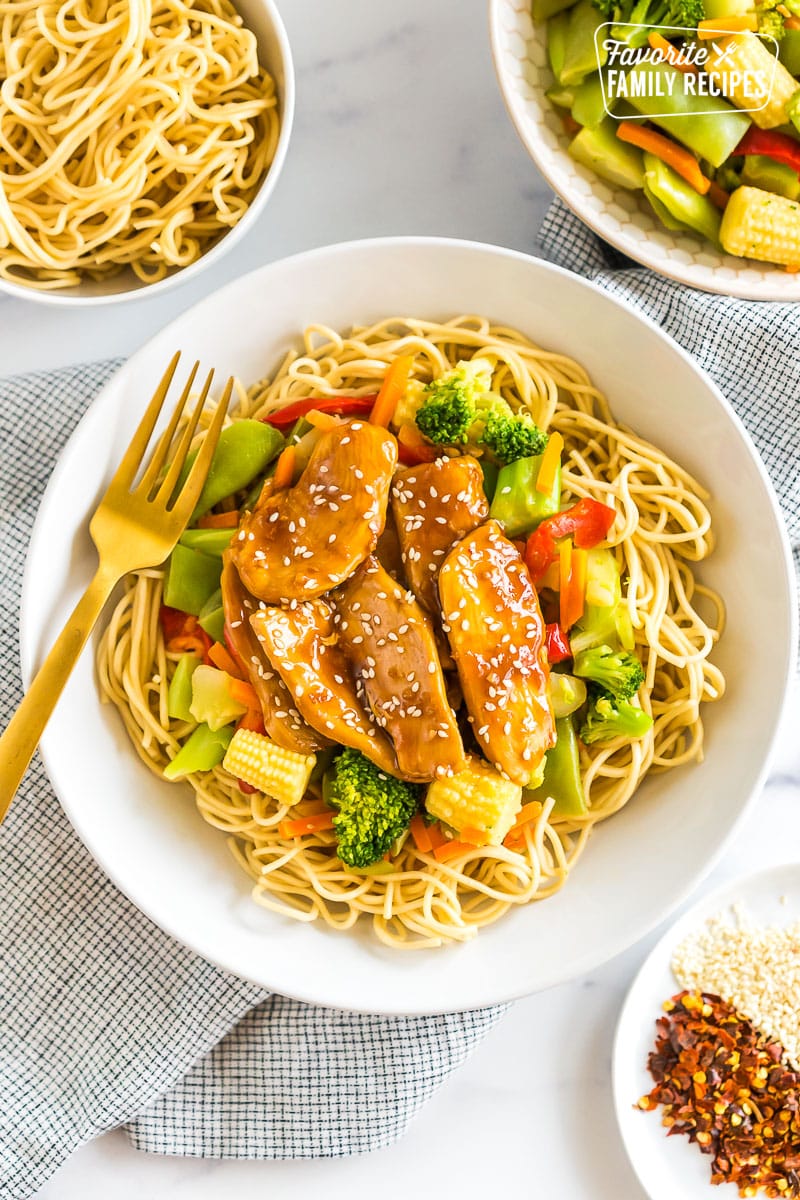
x,y
658,91
562,774
683,204
243,451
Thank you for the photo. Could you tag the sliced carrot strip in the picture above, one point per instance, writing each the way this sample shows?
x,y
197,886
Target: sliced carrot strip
x,y
419,832
450,850
302,825
322,420
681,161
252,720
708,29
658,42
224,661
791,22
572,571
284,469
550,461
187,643
718,195
528,812
436,836
409,436
476,837
225,520
392,388
243,693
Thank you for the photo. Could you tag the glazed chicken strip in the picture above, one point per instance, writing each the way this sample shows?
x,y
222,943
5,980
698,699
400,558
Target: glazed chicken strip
x,y
494,623
390,642
300,642
435,504
282,721
301,541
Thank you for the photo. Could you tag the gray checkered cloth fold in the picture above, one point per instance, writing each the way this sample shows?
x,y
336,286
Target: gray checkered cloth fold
x,y
104,1019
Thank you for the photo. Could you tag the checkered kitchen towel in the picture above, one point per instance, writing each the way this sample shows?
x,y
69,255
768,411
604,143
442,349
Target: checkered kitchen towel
x,y
750,350
104,1019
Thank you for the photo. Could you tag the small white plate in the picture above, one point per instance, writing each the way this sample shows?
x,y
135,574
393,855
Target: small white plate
x,y
671,1168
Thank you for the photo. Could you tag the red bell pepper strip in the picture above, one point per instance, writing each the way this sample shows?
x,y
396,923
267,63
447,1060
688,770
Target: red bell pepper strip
x,y
342,406
587,522
779,146
174,622
556,643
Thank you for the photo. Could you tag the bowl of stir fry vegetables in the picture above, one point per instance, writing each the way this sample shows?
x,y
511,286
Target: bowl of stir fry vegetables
x,y
671,127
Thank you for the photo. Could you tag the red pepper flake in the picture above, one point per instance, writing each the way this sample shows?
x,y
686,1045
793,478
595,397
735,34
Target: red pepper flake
x,y
726,1087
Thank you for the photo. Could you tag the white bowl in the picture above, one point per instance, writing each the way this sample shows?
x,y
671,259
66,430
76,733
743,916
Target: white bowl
x,y
621,217
274,53
148,835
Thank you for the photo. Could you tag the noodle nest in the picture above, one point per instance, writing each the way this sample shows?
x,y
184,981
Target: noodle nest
x,y
662,529
132,133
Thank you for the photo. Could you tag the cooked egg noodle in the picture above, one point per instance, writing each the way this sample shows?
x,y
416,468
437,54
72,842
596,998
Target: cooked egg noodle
x,y
662,529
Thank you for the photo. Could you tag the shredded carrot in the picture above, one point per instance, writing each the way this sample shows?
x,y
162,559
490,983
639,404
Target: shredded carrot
x,y
528,812
435,836
673,56
419,832
572,597
253,721
708,29
301,825
718,195
243,693
224,661
284,469
225,520
791,23
550,461
571,126
392,389
792,268
476,837
187,643
408,435
681,161
323,421
449,850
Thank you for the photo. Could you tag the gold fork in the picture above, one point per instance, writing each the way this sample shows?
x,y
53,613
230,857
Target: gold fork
x,y
136,525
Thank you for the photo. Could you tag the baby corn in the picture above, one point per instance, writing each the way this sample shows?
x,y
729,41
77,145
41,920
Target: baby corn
x,y
761,225
478,798
735,61
282,774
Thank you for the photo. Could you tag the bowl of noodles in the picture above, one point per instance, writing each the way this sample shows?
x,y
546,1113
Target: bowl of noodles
x,y
139,141
505,876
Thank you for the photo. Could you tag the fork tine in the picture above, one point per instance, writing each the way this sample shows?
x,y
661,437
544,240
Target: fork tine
x,y
150,477
172,476
132,459
190,492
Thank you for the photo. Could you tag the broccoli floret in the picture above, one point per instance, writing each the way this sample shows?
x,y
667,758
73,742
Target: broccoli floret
x,y
373,808
770,20
510,438
607,719
452,402
459,408
646,14
615,671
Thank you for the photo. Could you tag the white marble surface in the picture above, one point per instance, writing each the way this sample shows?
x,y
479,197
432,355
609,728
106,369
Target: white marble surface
x,y
400,129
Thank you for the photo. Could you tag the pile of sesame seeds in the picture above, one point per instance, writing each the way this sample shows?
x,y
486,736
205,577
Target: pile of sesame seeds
x,y
755,968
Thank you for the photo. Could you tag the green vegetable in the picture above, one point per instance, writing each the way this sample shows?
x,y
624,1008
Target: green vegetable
x,y
556,42
243,451
603,589
212,617
615,671
211,698
516,504
727,8
729,175
459,407
207,541
602,152
789,51
607,719
179,694
566,693
582,54
562,97
713,134
203,750
762,172
373,808
588,107
662,212
541,10
647,14
490,471
191,578
562,774
681,201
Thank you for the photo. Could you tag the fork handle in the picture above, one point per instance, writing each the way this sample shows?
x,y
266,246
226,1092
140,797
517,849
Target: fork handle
x,y
23,732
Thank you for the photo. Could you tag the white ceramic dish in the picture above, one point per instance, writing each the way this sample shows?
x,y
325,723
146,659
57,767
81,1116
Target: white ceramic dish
x,y
669,1168
147,834
622,217
275,54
